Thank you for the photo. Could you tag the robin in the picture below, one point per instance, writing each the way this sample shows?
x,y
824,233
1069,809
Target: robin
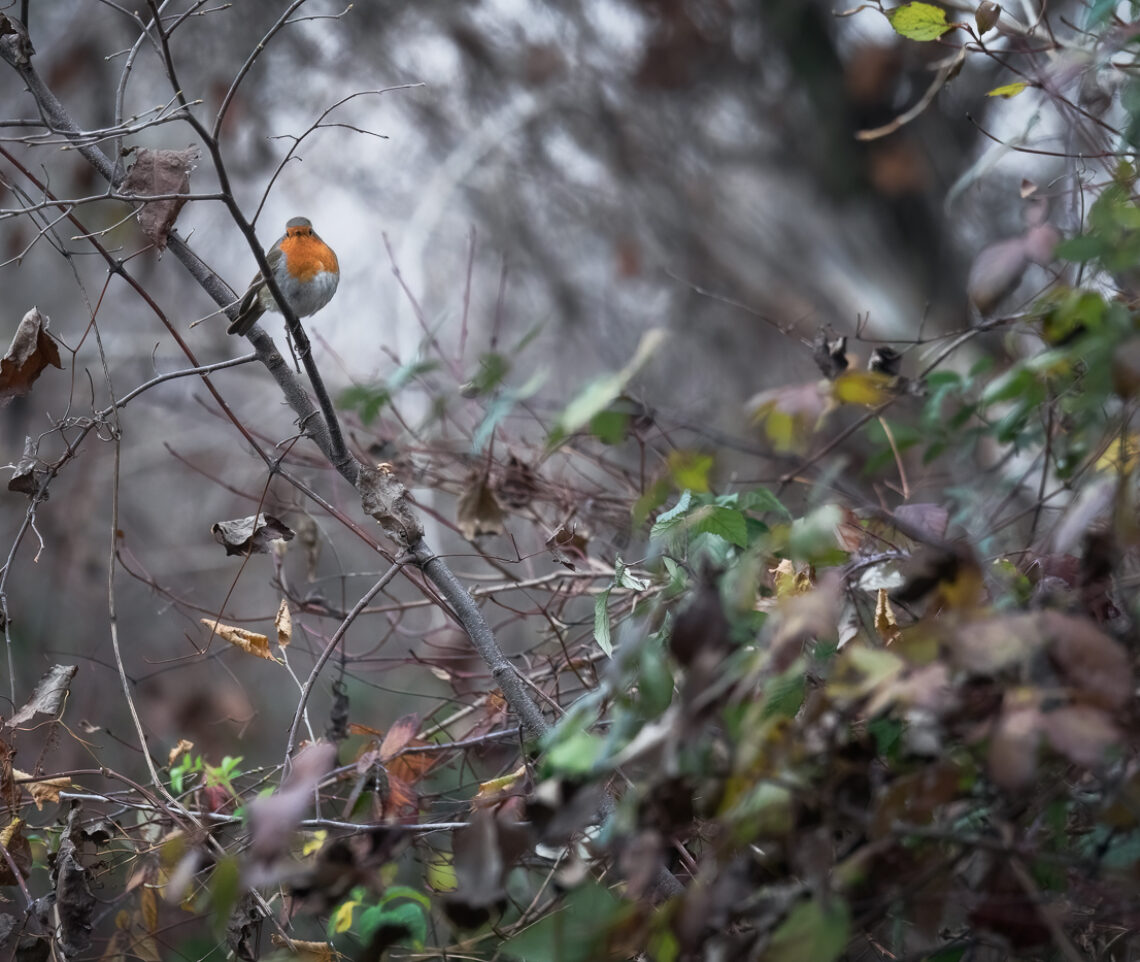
x,y
305,269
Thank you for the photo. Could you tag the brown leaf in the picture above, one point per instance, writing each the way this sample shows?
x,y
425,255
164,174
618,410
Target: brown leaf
x,y
1089,660
29,473
248,641
157,172
986,15
485,851
478,511
885,622
48,698
252,535
306,951
517,485
284,625
182,746
569,546
74,903
987,646
1081,733
1012,758
42,789
273,818
31,350
996,272
13,839
398,736
930,518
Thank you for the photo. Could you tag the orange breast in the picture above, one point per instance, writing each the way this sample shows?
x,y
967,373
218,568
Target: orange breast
x,y
306,255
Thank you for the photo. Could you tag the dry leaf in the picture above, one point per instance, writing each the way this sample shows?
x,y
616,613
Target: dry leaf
x,y
42,789
248,641
1013,746
517,485
1090,661
31,350
398,736
29,473
478,511
1081,733
157,172
48,698
307,951
273,818
284,625
13,839
183,746
252,535
885,623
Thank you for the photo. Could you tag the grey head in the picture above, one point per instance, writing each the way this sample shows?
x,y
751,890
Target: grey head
x,y
299,222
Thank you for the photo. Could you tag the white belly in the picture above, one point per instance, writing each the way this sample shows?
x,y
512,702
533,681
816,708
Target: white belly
x,y
305,299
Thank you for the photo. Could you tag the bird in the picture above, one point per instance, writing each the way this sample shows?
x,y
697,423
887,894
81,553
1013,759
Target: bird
x,y
305,269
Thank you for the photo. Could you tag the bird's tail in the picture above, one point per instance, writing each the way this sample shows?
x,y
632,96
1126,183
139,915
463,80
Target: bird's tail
x,y
249,311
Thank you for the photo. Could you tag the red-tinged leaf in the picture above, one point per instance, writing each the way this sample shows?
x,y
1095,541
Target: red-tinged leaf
x,y
401,732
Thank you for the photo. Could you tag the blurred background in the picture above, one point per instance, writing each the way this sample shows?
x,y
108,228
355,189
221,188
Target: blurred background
x,y
550,182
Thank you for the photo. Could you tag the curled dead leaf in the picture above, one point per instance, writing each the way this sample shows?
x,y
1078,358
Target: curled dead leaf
x,y
250,642
49,696
284,625
252,535
31,350
478,511
156,173
42,789
182,747
12,837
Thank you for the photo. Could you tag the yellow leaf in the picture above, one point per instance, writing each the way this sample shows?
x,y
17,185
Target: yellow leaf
x,y
497,785
284,625
1120,457
870,388
148,903
42,789
1008,90
314,842
179,749
919,21
342,917
248,641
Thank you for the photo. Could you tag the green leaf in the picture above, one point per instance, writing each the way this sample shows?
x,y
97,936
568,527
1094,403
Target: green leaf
x,y
762,501
813,930
225,888
609,426
918,21
726,523
576,754
408,915
1084,247
573,933
602,622
655,682
600,392
1008,90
